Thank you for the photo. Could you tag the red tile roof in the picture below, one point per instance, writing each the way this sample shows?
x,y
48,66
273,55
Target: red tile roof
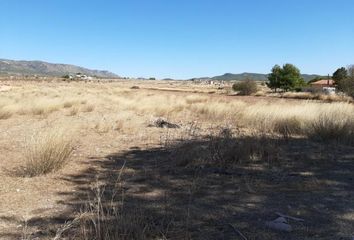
x,y
323,82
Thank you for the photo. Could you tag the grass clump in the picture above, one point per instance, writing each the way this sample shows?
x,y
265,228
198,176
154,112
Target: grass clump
x,y
5,114
88,108
46,153
73,111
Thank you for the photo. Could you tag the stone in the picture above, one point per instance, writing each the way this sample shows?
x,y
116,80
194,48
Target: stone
x,y
279,224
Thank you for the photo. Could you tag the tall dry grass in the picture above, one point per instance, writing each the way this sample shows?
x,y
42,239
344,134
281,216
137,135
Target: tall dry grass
x,y
336,124
324,121
319,120
317,96
46,152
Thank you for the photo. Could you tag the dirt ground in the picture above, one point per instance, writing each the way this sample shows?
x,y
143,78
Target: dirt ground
x,y
302,178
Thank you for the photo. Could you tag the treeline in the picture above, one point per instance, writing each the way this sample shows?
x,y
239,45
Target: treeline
x,y
288,78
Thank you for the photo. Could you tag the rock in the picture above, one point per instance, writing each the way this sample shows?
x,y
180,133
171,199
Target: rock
x,y
279,224
163,123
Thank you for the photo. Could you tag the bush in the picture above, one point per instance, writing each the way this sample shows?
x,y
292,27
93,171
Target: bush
x,y
246,87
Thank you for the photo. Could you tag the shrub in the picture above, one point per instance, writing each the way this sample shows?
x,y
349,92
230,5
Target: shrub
x,y
46,153
246,87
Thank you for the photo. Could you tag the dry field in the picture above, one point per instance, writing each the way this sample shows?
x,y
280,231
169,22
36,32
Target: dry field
x,y
96,161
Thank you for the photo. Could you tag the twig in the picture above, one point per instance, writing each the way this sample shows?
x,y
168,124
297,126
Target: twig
x,y
68,225
237,231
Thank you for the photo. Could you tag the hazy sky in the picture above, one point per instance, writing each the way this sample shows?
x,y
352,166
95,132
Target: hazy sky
x,y
180,38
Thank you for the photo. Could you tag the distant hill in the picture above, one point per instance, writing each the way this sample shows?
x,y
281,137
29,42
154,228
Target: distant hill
x,y
255,76
241,76
252,76
40,68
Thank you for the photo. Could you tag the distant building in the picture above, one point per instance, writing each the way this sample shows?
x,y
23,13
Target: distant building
x,y
83,77
323,84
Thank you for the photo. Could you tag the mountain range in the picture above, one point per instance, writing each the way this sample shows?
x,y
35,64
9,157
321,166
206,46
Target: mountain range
x,y
40,68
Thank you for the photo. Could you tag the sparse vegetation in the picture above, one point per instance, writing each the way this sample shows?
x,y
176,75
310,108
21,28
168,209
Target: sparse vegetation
x,y
173,175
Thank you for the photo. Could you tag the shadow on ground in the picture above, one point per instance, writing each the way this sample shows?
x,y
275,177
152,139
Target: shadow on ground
x,y
179,189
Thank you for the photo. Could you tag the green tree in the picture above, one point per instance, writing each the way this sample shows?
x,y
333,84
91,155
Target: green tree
x,y
346,85
287,77
274,78
339,75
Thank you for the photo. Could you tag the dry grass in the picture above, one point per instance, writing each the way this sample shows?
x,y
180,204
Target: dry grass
x,y
317,96
285,118
190,99
225,150
70,103
88,108
309,119
118,123
288,126
74,111
337,125
46,152
5,113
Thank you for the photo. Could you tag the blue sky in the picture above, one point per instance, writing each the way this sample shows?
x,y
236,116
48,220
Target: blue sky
x,y
180,38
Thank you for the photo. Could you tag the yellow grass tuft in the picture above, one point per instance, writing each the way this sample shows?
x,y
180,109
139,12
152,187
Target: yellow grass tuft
x,y
46,153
